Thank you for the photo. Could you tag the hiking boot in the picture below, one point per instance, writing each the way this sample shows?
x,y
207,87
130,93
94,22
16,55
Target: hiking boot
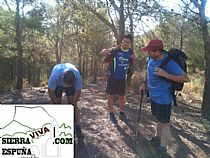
x,y
123,117
113,118
162,151
79,133
155,141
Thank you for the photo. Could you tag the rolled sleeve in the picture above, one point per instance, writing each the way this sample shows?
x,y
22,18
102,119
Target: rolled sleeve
x,y
52,83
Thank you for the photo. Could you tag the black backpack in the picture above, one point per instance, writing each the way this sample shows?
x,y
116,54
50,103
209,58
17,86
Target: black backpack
x,y
180,58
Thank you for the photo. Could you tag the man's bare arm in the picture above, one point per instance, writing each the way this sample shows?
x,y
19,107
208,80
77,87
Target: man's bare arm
x,y
52,96
76,96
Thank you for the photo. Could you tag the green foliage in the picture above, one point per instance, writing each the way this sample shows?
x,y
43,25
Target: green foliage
x,y
70,31
7,33
197,78
35,19
178,32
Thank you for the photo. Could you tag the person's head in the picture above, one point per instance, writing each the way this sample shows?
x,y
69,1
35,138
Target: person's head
x,y
154,48
69,77
126,41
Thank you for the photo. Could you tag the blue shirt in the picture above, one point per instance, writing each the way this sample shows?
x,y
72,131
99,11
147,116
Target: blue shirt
x,y
159,88
57,73
120,64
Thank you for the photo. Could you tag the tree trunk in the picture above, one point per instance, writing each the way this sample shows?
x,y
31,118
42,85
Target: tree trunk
x,y
57,51
91,66
19,84
181,38
83,68
86,67
131,29
29,71
95,70
206,39
122,22
38,76
132,46
130,15
80,58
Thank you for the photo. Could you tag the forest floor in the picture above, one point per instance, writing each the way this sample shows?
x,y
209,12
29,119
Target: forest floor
x,y
190,132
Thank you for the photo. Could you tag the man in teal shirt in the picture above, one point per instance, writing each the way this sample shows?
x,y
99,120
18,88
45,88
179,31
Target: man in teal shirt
x,y
66,77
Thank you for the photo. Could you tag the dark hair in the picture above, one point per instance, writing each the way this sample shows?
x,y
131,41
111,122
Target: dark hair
x,y
128,36
69,77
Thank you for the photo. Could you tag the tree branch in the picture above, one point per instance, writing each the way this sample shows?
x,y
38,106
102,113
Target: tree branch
x,y
196,4
109,13
114,5
187,6
193,20
105,21
7,5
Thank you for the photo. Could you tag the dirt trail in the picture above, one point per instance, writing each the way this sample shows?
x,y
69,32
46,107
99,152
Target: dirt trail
x,y
190,133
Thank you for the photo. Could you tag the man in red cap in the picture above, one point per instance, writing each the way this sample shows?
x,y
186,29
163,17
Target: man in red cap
x,y
160,91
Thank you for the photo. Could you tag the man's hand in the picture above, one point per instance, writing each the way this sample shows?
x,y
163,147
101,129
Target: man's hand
x,y
107,52
116,47
177,78
143,88
161,72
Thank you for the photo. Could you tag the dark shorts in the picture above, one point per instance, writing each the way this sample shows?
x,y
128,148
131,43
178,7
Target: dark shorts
x,y
161,111
115,86
69,91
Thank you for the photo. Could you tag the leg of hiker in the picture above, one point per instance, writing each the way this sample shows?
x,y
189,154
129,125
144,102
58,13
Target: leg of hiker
x,y
121,86
163,116
156,139
165,134
111,103
121,108
76,110
121,103
159,129
72,98
111,108
111,90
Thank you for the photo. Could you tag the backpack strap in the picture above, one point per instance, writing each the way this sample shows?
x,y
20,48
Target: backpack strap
x,y
165,62
131,60
114,54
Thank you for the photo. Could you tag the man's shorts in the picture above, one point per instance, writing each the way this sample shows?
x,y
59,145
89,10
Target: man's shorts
x,y
69,91
161,111
115,86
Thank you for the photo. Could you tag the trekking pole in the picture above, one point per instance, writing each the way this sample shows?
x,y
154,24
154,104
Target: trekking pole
x,y
141,99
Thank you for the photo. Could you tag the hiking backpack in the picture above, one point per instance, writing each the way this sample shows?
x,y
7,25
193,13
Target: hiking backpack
x,y
180,58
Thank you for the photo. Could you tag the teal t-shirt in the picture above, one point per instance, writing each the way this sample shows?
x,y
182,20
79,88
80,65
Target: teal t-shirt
x,y
57,73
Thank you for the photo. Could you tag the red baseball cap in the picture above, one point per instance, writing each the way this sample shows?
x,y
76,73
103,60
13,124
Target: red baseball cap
x,y
153,45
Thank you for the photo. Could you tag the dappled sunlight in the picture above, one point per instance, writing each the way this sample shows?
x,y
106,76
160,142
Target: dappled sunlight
x,y
103,139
